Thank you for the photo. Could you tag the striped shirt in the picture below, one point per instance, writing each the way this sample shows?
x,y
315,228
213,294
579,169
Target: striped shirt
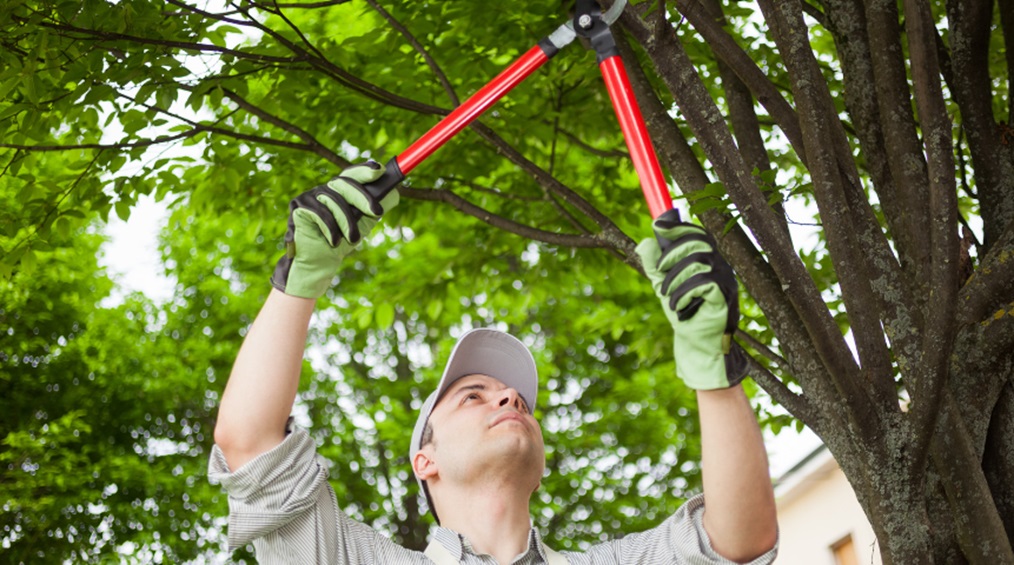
x,y
281,501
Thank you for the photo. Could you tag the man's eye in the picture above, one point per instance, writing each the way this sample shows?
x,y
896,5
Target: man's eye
x,y
472,396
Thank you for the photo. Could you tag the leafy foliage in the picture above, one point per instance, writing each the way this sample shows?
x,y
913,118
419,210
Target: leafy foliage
x,y
107,417
821,144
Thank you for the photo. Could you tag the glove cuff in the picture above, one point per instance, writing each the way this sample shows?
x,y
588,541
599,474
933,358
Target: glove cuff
x,y
735,365
710,370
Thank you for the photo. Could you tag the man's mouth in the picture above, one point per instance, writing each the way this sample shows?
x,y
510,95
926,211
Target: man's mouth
x,y
508,416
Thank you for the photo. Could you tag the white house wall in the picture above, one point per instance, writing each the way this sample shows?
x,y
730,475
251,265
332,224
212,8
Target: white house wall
x,y
817,508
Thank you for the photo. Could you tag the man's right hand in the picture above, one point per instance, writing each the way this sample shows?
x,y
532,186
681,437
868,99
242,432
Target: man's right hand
x,y
323,229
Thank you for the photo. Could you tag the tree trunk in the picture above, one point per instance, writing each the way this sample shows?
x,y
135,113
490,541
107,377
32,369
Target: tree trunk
x,y
903,532
979,528
998,462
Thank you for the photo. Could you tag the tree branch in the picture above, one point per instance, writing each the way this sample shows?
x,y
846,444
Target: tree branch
x,y
936,127
312,142
55,206
202,47
797,405
221,17
904,153
295,29
611,234
18,155
581,144
567,215
685,85
847,22
902,319
344,77
300,5
815,13
499,222
437,71
1006,9
981,533
490,190
742,117
318,149
992,285
124,145
822,134
726,49
970,23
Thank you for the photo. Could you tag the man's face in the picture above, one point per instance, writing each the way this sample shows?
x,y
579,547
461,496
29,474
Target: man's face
x,y
482,427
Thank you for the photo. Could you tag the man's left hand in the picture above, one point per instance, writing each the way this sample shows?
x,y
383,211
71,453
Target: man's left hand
x,y
700,297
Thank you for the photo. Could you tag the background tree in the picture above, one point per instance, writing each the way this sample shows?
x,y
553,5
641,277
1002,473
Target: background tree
x,y
107,413
888,330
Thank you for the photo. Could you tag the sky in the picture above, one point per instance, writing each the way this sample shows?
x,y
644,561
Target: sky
x,y
131,255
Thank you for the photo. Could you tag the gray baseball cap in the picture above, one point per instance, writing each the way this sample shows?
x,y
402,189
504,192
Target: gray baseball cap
x,y
482,351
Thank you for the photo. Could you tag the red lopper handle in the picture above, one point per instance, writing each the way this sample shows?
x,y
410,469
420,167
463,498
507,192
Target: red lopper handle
x,y
642,153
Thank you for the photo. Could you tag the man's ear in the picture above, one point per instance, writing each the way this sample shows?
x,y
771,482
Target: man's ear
x,y
424,466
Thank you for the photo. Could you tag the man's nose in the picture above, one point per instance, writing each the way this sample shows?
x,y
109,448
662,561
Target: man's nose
x,y
510,397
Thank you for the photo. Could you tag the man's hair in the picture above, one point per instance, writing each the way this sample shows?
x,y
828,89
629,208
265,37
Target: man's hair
x,y
426,439
427,435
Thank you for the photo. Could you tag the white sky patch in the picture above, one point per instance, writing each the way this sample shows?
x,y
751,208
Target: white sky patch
x,y
788,448
131,256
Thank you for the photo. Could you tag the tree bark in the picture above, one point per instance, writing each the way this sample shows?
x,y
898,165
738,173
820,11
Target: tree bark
x,y
991,159
998,461
979,527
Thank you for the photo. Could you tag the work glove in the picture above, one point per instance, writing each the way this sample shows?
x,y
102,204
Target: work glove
x,y
325,224
699,295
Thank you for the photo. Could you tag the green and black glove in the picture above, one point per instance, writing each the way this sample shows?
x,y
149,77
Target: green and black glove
x,y
699,294
323,229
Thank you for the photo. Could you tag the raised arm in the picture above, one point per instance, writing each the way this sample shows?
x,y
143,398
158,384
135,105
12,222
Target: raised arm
x,y
739,503
700,297
262,387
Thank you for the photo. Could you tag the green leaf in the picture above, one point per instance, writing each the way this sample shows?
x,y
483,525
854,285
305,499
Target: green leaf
x,y
30,84
12,110
364,318
384,315
434,308
28,262
8,85
122,209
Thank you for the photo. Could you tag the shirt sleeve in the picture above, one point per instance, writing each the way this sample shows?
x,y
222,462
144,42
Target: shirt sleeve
x,y
681,539
281,501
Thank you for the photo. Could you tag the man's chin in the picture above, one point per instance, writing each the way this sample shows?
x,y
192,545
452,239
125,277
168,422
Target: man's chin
x,y
516,450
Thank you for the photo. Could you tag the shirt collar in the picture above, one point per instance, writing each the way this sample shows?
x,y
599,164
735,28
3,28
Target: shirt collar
x,y
458,545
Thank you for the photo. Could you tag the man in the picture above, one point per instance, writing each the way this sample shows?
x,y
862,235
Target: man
x,y
476,448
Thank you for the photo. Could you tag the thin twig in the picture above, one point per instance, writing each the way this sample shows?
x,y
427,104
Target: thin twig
x,y
490,190
298,31
499,222
302,5
100,146
310,140
430,61
56,205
